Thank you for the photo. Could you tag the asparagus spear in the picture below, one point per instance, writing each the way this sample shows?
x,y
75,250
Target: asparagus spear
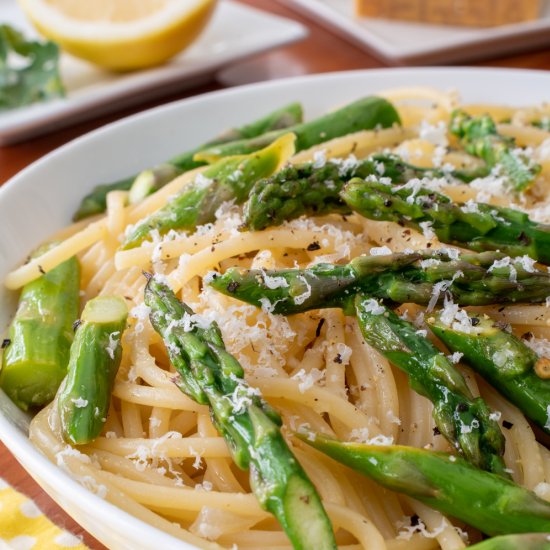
x,y
35,359
282,118
464,420
543,124
96,201
228,179
477,226
422,277
149,181
84,397
480,137
530,541
314,188
249,426
364,114
501,358
489,502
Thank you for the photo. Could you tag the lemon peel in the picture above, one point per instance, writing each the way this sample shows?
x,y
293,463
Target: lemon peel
x,y
121,35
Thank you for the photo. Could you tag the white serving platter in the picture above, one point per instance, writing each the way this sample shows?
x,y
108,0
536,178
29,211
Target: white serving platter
x,y
423,44
41,199
236,31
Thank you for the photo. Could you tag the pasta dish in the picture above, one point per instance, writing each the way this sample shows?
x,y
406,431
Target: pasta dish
x,y
320,334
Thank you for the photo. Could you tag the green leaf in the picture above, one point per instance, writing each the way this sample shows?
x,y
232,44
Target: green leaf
x,y
29,70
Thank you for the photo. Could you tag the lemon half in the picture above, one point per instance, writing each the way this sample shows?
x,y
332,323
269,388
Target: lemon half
x,y
121,34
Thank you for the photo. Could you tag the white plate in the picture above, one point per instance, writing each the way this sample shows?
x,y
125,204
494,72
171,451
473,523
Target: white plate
x,y
417,43
57,182
235,31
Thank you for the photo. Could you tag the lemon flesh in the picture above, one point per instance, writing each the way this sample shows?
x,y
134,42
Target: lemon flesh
x,y
121,35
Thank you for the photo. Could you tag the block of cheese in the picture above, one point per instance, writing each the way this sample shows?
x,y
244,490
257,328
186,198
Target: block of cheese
x,y
477,13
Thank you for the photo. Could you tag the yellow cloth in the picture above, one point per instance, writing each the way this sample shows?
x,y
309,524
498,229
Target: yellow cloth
x,y
24,527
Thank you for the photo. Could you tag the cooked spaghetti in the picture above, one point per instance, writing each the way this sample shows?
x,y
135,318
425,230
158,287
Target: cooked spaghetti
x,y
159,456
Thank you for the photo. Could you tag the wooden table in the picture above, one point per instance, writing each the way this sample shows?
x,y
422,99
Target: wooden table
x,y
320,52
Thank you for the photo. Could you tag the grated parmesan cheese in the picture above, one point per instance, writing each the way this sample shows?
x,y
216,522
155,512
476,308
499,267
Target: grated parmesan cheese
x,y
542,490
416,185
274,282
456,357
505,262
319,158
198,458
141,313
430,262
451,253
392,418
60,457
113,343
361,435
298,300
345,165
341,351
453,316
493,185
372,306
309,379
204,486
541,346
245,328
380,251
440,287
140,457
243,395
470,207
434,134
407,530
526,262
427,229
503,355
202,181
469,428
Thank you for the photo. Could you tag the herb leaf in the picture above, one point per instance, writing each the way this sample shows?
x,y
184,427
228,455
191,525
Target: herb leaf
x,y
29,71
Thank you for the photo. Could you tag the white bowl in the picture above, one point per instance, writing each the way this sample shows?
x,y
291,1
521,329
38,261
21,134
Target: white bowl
x,y
42,198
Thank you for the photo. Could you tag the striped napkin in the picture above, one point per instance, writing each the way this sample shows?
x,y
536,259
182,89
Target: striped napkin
x,y
24,527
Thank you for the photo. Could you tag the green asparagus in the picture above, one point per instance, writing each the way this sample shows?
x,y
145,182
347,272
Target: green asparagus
x,y
364,114
96,201
503,360
480,137
282,118
314,188
84,397
530,541
463,420
229,179
37,349
472,225
149,181
422,277
543,123
445,482
250,427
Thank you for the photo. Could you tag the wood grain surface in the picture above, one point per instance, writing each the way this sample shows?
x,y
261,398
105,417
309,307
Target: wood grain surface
x,y
320,52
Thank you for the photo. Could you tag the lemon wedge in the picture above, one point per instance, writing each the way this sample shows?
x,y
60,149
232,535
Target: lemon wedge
x,y
120,34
